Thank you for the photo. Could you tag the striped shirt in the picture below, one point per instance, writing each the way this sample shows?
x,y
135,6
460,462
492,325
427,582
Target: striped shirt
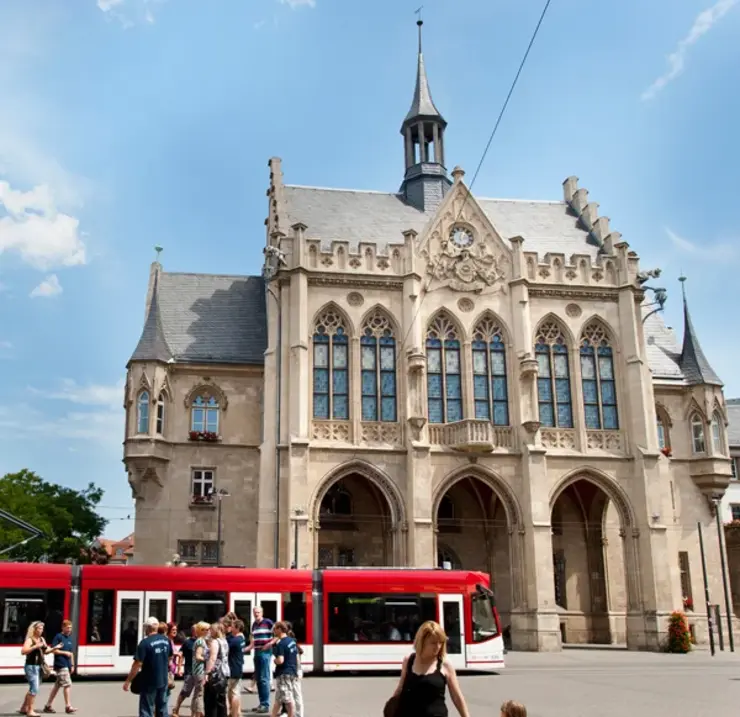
x,y
261,632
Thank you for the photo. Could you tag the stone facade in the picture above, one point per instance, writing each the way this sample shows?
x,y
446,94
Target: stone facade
x,y
428,381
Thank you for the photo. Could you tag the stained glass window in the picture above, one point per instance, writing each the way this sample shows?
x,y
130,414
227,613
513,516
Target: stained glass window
x,y
204,414
490,392
553,383
378,369
142,413
597,378
444,384
330,367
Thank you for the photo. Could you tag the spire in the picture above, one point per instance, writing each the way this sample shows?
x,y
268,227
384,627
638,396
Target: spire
x,y
694,364
425,181
152,345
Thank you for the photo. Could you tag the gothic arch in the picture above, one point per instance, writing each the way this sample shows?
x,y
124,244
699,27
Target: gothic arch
x,y
333,306
719,409
381,480
499,487
380,309
570,340
663,413
488,314
602,480
610,334
445,313
207,389
144,384
694,407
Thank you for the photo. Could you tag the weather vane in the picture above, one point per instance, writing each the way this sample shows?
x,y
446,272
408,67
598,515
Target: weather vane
x,y
159,250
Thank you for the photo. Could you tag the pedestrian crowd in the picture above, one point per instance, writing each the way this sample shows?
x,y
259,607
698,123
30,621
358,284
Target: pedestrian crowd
x,y
211,663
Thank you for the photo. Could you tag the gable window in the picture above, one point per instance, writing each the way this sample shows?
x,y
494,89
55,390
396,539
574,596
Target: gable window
x,y
142,413
698,441
597,378
202,485
330,368
490,392
378,369
717,446
444,385
553,384
160,414
204,414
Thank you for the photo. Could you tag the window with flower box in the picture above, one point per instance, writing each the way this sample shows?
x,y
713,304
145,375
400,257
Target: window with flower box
x,y
202,486
204,415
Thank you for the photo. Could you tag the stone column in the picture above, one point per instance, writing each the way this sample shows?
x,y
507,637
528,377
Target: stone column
x,y
435,135
297,378
422,143
467,380
409,148
576,392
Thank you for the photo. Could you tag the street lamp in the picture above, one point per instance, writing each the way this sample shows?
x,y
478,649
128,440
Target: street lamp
x,y
298,513
716,499
220,495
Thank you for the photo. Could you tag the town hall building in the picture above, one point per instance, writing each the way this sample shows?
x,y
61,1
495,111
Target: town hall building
x,y
435,379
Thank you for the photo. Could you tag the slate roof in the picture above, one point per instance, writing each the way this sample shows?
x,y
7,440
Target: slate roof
x,y
694,363
733,417
422,105
205,318
380,218
661,348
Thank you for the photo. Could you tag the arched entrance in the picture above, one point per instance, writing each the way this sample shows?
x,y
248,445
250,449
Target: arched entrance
x,y
356,520
472,533
589,563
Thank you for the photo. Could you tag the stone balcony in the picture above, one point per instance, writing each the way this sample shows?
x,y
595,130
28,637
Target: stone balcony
x,y
711,475
472,436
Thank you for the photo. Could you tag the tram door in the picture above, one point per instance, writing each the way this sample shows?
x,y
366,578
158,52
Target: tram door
x,y
130,611
452,620
244,603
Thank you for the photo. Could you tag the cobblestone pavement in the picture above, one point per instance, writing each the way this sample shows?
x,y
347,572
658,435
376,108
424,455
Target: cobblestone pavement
x,y
591,683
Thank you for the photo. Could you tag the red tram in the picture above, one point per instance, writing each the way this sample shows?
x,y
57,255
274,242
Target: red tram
x,y
344,618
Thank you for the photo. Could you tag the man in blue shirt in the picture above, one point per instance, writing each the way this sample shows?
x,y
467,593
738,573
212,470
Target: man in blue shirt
x,y
287,684
64,664
152,660
237,643
185,669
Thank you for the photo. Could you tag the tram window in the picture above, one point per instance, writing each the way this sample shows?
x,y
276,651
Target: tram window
x,y
484,622
269,609
100,617
451,620
378,618
192,607
158,609
18,609
294,612
243,610
129,626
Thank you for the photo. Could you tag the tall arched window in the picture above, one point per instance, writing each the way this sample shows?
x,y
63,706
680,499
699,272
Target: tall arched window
x,y
204,414
663,421
330,367
553,384
444,387
160,413
378,372
142,413
717,446
489,373
597,378
698,440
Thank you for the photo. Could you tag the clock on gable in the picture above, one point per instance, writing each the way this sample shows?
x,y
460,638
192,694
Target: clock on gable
x,y
461,237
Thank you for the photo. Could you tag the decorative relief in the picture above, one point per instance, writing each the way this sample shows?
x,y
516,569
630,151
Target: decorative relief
x,y
465,305
570,274
329,322
544,273
355,298
327,261
355,263
377,324
595,334
604,441
597,276
558,438
383,263
388,433
573,310
332,431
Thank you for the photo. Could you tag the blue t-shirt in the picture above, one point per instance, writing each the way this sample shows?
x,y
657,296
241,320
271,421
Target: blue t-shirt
x,y
62,662
154,653
286,647
236,655
187,649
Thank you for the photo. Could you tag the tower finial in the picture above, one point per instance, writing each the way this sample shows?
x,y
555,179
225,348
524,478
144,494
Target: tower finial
x,y
419,23
682,279
158,249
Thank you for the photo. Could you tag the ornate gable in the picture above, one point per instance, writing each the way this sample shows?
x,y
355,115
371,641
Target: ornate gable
x,y
461,248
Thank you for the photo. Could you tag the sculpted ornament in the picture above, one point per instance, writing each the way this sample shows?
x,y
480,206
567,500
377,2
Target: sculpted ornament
x,y
464,262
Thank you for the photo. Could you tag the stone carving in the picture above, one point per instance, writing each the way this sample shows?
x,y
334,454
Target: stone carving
x,y
465,305
355,263
331,431
377,324
604,441
469,267
389,433
355,298
573,310
558,438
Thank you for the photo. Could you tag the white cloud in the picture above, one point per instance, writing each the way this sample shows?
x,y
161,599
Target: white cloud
x,y
703,23
130,12
704,251
259,24
89,395
35,229
106,5
48,288
293,4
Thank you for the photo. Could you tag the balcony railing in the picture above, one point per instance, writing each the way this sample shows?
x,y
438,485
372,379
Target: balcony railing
x,y
472,435
332,431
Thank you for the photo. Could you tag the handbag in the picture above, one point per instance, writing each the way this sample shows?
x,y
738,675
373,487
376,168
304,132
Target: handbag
x,y
392,707
46,671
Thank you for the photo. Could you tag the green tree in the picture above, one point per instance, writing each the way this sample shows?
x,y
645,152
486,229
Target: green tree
x,y
67,518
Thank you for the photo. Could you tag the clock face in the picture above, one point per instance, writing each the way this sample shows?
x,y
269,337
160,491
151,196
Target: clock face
x,y
461,237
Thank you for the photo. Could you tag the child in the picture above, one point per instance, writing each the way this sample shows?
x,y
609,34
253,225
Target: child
x,y
510,708
299,696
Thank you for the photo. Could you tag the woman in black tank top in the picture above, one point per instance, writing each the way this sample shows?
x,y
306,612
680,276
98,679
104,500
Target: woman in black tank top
x,y
426,674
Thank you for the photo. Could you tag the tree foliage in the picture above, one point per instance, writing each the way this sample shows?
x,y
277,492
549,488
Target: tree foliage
x,y
67,518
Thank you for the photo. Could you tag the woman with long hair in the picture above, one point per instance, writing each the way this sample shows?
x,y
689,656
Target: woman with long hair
x,y
217,672
200,657
426,675
34,649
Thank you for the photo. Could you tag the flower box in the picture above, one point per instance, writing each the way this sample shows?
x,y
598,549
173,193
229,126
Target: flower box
x,y
688,604
667,452
201,500
207,436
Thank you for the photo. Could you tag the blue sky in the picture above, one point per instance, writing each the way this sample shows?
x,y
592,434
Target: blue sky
x,y
130,123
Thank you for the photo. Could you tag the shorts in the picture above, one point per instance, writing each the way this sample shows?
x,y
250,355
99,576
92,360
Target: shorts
x,y
188,684
64,679
287,689
33,677
234,688
197,706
